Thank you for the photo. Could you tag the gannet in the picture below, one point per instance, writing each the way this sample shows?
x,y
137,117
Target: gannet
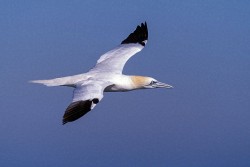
x,y
105,76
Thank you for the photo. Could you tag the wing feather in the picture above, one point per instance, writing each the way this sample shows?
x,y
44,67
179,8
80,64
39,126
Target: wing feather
x,y
115,59
85,98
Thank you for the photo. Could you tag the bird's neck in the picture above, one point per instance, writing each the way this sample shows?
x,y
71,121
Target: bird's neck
x,y
127,83
138,82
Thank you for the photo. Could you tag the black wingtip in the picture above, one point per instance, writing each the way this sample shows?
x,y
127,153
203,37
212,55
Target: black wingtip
x,y
140,35
76,110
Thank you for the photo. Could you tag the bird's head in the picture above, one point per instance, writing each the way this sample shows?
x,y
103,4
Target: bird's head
x,y
141,82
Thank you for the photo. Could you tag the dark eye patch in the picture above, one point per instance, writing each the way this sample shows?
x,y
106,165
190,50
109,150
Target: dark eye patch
x,y
152,82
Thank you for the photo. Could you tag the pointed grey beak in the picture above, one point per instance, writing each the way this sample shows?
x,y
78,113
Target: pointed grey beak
x,y
161,85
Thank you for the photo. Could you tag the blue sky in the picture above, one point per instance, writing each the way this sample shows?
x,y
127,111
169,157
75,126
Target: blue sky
x,y
200,47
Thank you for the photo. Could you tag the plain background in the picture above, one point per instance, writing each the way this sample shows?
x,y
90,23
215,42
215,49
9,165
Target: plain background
x,y
200,47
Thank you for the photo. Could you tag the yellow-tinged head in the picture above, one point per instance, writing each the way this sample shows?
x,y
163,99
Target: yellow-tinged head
x,y
141,82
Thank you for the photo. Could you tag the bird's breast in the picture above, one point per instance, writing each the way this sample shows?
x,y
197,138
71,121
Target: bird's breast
x,y
117,88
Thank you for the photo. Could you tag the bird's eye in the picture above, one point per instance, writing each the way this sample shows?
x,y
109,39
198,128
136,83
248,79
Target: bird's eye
x,y
152,82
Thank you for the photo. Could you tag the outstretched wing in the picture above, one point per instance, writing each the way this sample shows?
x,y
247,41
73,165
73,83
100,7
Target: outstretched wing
x,y
85,98
115,59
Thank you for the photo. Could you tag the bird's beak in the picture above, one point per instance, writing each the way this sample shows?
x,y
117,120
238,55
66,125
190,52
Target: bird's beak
x,y
161,85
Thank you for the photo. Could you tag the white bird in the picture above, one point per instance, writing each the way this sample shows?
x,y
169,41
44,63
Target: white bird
x,y
106,76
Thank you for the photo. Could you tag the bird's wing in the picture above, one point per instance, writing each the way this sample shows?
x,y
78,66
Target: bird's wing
x,y
115,59
85,97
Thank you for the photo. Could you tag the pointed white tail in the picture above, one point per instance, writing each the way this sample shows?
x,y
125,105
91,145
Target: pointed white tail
x,y
64,81
50,82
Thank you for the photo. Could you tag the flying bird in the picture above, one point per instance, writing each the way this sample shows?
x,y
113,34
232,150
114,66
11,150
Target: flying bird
x,y
106,76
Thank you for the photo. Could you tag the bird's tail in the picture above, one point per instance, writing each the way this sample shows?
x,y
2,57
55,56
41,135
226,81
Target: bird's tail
x,y
64,81
49,82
